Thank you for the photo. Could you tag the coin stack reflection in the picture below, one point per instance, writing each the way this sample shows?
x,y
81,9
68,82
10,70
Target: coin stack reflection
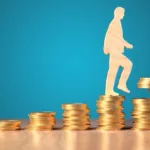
x,y
111,112
76,116
42,120
141,114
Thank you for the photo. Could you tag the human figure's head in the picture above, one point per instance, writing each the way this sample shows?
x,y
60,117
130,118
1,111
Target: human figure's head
x,y
119,13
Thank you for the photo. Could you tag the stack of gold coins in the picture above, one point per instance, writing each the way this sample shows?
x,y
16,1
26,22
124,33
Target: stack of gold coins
x,y
7,125
111,112
141,114
76,116
144,83
42,120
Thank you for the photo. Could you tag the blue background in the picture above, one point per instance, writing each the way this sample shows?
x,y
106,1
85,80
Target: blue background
x,y
51,52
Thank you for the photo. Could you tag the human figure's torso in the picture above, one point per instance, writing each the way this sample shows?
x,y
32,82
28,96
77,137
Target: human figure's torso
x,y
112,39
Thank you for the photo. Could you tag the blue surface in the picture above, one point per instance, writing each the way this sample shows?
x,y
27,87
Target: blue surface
x,y
51,52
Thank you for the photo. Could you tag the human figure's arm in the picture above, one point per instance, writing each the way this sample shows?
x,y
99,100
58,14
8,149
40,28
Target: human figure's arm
x,y
106,50
114,30
126,44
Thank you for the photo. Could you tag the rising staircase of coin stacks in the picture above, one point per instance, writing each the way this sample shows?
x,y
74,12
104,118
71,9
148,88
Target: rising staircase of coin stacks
x,y
76,116
141,111
42,121
10,125
111,112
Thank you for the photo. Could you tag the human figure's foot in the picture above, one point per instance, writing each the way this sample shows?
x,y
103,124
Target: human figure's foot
x,y
112,93
124,88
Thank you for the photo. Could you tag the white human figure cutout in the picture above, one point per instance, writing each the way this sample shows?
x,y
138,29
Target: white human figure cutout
x,y
114,45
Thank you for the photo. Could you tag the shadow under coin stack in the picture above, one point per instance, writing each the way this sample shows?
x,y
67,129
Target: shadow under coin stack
x,y
10,125
42,121
76,116
141,112
111,112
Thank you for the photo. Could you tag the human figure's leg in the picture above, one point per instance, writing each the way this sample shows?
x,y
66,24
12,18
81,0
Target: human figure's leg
x,y
127,67
111,76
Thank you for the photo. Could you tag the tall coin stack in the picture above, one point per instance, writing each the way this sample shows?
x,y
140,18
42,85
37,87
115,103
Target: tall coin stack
x,y
76,116
7,125
141,111
141,114
42,120
111,112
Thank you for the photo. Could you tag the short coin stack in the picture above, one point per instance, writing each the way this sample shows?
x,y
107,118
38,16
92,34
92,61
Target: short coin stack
x,y
144,83
10,125
76,116
111,112
141,114
42,120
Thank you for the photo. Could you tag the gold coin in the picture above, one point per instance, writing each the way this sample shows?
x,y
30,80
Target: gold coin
x,y
44,113
144,86
141,109
43,124
76,121
107,108
141,113
112,116
103,101
75,106
144,83
43,119
113,112
106,123
139,122
7,122
9,129
40,125
69,113
141,101
104,120
137,127
112,98
110,104
75,118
